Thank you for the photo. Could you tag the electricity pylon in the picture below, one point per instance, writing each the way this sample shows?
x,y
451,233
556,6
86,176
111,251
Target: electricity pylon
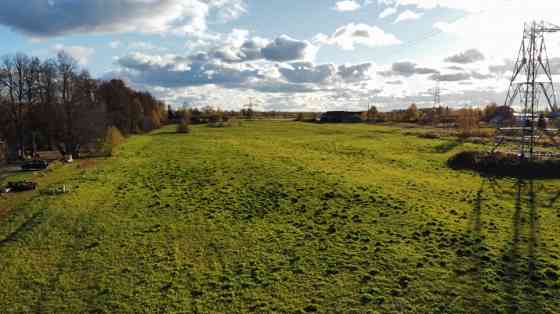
x,y
437,95
531,81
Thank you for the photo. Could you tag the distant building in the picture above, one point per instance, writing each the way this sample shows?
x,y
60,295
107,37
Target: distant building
x,y
341,116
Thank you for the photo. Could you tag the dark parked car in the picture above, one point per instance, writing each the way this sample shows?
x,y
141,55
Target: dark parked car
x,y
35,165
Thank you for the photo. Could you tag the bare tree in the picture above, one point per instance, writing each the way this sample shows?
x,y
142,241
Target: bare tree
x,y
67,68
18,85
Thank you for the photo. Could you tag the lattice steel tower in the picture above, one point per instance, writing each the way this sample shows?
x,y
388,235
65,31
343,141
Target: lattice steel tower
x,y
531,94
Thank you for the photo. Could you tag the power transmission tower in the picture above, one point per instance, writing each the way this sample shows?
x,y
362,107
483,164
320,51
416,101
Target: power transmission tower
x,y
437,95
530,83
249,108
436,92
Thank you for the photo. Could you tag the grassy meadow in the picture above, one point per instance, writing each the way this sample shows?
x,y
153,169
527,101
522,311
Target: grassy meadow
x,y
280,217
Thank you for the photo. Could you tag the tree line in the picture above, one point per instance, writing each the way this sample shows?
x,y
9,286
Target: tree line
x,y
442,115
55,104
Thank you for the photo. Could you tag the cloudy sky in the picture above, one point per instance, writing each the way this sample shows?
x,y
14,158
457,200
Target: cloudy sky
x,y
287,54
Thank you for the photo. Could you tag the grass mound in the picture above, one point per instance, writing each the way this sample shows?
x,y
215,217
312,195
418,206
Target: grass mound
x,y
504,165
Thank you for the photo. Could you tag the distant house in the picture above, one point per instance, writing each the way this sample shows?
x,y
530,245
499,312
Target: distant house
x,y
341,116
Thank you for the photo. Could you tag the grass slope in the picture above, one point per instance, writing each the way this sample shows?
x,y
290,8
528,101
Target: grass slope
x,y
281,217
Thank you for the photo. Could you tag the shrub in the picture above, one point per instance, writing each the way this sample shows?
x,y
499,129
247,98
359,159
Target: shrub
x,y
185,125
507,165
113,138
429,135
484,133
183,128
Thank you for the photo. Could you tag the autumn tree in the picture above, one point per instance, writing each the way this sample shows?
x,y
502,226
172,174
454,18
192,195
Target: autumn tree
x,y
411,114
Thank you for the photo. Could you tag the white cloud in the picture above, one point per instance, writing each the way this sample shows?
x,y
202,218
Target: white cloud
x,y
346,37
347,5
387,12
43,19
80,53
467,56
407,15
115,44
502,39
285,48
469,6
238,47
307,72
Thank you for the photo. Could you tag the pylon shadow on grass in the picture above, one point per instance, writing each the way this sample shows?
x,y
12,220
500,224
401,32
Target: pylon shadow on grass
x,y
520,284
479,256
532,250
554,200
22,229
511,257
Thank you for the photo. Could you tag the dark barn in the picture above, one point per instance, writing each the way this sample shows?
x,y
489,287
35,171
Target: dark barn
x,y
341,116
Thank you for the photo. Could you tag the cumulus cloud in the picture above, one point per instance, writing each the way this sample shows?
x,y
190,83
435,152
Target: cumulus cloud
x,y
172,71
142,45
348,36
469,6
175,71
387,12
480,76
41,18
347,5
307,72
452,77
468,56
501,69
356,72
248,51
285,48
397,82
407,15
115,44
407,69
238,48
455,68
80,53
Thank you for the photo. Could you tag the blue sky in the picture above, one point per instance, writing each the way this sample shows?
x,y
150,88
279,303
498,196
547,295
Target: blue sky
x,y
289,54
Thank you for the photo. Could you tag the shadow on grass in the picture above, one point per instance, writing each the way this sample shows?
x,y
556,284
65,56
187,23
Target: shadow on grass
x,y
478,257
166,133
554,200
522,283
26,226
447,147
517,268
512,255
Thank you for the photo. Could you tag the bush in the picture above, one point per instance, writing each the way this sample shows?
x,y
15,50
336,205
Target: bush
x,y
185,125
113,138
429,135
465,160
484,133
506,165
184,128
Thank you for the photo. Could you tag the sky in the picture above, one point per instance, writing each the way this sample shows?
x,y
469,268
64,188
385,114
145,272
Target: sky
x,y
287,55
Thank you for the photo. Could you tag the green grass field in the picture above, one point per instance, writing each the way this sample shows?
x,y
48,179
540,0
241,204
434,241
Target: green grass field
x,y
280,217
